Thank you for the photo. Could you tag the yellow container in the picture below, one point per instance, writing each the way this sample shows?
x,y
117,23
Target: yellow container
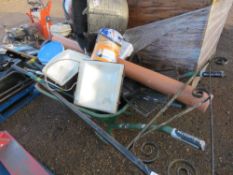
x,y
108,46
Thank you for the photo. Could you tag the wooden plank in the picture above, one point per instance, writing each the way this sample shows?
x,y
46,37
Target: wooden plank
x,y
217,19
186,41
175,41
146,11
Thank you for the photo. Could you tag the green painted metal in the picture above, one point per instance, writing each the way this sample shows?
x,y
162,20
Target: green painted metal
x,y
106,117
140,126
110,119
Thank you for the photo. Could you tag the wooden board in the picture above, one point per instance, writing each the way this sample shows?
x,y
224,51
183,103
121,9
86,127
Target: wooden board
x,y
185,42
175,41
146,11
216,21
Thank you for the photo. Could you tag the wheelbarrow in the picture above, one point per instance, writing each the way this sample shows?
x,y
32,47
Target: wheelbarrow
x,y
111,121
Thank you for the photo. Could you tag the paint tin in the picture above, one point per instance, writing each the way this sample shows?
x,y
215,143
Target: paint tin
x,y
108,46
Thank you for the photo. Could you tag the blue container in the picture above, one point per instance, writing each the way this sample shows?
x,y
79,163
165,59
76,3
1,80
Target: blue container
x,y
49,50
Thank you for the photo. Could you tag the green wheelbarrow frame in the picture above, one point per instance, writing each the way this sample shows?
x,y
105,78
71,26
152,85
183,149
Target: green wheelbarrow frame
x,y
107,118
110,120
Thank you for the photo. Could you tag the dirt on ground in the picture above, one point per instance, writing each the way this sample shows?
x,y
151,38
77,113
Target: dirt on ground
x,y
67,146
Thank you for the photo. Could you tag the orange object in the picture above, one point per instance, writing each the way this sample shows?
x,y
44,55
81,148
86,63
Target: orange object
x,y
43,22
106,50
153,80
108,46
163,84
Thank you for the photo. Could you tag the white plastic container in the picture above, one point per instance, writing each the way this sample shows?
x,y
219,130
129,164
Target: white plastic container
x,y
62,68
99,85
61,29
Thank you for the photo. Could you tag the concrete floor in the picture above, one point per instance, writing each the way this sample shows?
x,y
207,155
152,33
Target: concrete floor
x,y
58,139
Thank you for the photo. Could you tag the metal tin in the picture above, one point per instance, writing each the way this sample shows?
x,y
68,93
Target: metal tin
x,y
108,46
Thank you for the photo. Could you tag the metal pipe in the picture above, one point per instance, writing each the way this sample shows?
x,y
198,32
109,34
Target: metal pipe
x,y
163,84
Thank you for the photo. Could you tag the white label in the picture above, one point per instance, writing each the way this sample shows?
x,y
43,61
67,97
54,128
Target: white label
x,y
153,173
107,54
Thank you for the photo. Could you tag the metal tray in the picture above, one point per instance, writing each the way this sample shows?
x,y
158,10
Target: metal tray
x,y
12,84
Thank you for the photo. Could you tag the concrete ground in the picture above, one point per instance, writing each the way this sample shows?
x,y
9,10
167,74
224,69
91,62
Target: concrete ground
x,y
62,142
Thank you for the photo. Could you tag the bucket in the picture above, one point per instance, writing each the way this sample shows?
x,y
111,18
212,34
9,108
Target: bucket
x,y
108,46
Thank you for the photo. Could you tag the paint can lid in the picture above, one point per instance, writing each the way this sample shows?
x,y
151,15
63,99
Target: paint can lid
x,y
49,50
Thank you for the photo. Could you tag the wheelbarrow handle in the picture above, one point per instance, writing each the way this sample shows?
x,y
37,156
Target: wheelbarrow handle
x,y
213,74
173,132
189,139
